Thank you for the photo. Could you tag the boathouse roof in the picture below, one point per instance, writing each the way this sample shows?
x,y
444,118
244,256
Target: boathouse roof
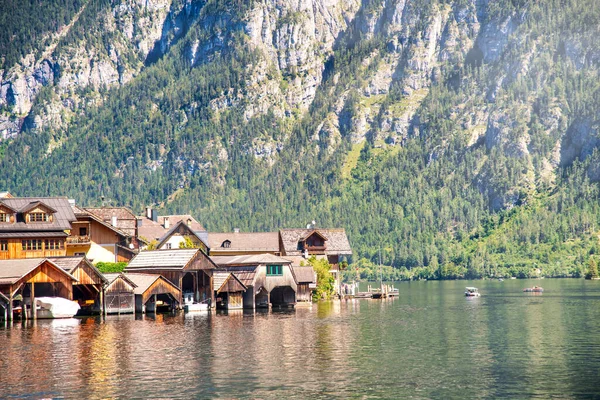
x,y
227,282
305,274
11,271
176,259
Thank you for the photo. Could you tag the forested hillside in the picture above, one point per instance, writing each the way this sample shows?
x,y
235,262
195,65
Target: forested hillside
x,y
459,137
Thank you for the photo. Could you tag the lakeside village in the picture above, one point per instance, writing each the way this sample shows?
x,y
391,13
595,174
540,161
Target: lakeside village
x,y
50,249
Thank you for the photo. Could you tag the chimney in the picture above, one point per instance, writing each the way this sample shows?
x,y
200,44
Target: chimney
x,y
166,223
149,212
154,215
236,230
189,222
114,221
140,221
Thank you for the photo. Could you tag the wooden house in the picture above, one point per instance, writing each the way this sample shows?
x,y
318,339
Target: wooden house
x,y
191,270
330,244
243,243
33,277
306,279
88,291
34,227
97,239
181,233
269,279
154,227
154,293
119,295
229,291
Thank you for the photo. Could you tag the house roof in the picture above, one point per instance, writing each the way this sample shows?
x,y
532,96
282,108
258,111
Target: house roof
x,y
110,278
11,271
144,281
126,219
5,195
180,225
70,263
305,274
162,259
30,206
83,213
152,230
221,278
244,241
337,241
253,259
63,213
27,234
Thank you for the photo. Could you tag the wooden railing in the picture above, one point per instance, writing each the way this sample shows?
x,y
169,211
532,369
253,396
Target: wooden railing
x,y
315,249
78,239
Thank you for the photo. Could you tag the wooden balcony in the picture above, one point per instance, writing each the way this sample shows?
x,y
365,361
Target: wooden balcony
x,y
71,240
315,249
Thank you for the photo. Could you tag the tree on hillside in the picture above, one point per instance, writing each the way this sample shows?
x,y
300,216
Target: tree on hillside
x,y
592,269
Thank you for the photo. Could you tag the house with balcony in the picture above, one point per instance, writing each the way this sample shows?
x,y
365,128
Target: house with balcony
x,y
97,239
34,227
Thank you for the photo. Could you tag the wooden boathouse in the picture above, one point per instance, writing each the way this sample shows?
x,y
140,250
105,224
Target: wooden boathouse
x,y
119,295
153,292
88,291
229,291
25,279
190,270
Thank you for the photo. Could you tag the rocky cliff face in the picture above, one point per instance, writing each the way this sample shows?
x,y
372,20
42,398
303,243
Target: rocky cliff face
x,y
404,58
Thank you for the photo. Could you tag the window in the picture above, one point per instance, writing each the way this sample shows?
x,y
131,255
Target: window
x,y
3,245
226,244
274,270
4,217
83,231
54,244
38,217
32,244
168,246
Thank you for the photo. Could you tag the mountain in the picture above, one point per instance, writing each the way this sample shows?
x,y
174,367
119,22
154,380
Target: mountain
x,y
460,137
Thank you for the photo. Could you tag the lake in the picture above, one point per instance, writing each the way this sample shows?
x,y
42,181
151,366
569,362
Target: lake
x,y
431,342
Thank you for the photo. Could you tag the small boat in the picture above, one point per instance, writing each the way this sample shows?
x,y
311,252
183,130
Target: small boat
x,y
55,307
535,289
500,280
189,305
472,292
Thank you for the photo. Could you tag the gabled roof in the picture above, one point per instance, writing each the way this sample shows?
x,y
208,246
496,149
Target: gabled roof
x,y
173,219
83,213
35,204
144,281
226,281
313,232
337,241
63,214
126,219
305,274
245,241
246,275
70,263
110,278
2,205
253,259
11,271
176,259
180,225
152,230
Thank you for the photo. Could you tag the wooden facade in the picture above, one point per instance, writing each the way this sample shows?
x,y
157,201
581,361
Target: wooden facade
x,y
154,292
30,278
229,291
32,247
119,296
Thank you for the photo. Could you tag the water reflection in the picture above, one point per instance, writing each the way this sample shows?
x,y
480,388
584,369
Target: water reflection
x,y
429,342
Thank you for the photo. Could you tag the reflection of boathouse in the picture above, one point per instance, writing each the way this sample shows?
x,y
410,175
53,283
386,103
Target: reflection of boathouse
x,y
190,270
269,279
21,281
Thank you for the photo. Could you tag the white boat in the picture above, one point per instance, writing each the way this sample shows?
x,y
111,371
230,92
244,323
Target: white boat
x,y
472,292
55,307
189,305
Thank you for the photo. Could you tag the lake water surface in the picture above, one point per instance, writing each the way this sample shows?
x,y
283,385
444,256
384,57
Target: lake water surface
x,y
431,342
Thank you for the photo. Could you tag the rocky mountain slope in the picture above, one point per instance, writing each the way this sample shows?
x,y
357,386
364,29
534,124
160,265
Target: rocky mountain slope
x,y
432,119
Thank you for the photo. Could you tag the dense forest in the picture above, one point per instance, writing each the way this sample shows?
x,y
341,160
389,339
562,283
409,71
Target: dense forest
x,y
492,177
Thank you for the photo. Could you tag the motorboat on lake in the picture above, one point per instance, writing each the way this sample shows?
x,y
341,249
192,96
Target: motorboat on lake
x,y
535,289
189,305
472,292
55,307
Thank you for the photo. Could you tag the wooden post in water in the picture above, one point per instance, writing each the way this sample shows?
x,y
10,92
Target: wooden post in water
x,y
32,298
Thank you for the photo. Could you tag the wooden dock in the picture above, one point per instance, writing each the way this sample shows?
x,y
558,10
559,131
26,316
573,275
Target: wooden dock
x,y
377,293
